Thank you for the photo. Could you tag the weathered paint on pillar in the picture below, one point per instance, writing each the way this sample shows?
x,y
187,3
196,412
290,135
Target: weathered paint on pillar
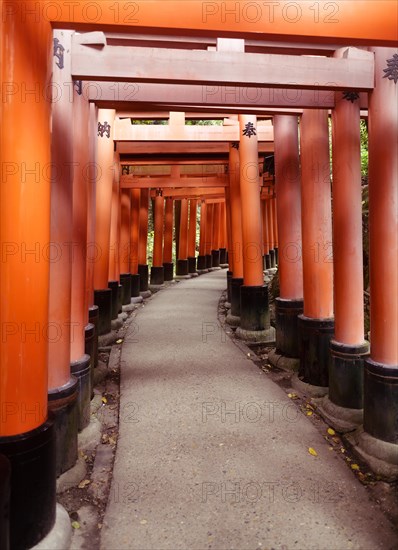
x,y
287,177
316,216
114,260
105,153
183,245
125,234
383,209
60,289
143,236
193,207
236,251
135,230
250,198
168,231
158,235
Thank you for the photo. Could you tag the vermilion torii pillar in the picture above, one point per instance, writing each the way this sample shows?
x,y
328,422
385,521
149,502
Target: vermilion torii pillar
x,y
182,262
316,324
125,235
343,407
215,252
275,220
26,435
193,208
223,236
267,261
103,203
288,191
228,257
143,269
157,269
235,252
168,240
209,234
114,261
134,245
270,225
62,387
202,238
254,311
378,443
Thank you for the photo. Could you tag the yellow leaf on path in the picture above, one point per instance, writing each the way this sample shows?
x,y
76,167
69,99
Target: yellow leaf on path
x,y
84,483
75,525
331,431
104,400
292,395
119,341
355,466
312,451
143,522
309,413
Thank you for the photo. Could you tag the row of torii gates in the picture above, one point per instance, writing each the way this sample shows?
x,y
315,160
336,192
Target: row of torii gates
x,y
74,226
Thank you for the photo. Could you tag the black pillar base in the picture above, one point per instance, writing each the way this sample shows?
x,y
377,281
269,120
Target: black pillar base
x,y
93,317
182,268
62,403
276,255
168,271
272,258
315,358
201,263
346,374
223,256
33,484
267,260
143,271
5,481
287,333
81,370
254,310
135,285
114,286
215,254
157,275
89,345
103,299
380,404
209,261
229,279
119,298
192,265
236,283
125,281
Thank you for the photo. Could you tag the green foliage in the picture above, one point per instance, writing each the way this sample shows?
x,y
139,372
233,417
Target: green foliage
x,y
364,149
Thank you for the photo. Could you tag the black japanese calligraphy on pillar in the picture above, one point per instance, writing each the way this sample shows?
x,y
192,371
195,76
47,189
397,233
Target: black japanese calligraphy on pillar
x,y
249,130
392,68
351,96
104,129
59,53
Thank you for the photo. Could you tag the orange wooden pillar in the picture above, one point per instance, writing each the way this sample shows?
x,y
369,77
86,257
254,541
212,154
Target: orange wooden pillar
x,y
182,262
215,251
134,245
193,209
157,269
114,245
124,254
228,256
82,334
202,238
275,220
378,444
209,235
143,269
316,325
62,387
26,434
235,251
270,225
224,235
343,407
267,260
168,240
103,209
288,217
254,311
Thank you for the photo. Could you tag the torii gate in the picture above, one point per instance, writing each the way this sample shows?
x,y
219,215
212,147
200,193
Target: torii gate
x,y
25,195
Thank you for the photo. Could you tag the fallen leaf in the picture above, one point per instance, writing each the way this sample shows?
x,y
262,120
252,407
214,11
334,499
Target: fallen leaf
x,y
312,451
331,431
84,483
75,525
143,522
309,413
354,467
104,400
120,341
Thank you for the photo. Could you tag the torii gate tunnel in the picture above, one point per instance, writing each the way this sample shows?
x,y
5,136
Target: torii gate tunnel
x,y
79,181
